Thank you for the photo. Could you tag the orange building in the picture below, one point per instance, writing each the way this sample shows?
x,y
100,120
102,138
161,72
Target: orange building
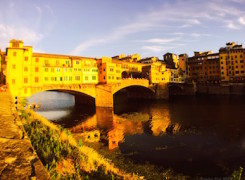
x,y
232,63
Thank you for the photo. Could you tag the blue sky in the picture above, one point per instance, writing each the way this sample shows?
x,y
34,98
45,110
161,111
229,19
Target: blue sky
x,y
110,27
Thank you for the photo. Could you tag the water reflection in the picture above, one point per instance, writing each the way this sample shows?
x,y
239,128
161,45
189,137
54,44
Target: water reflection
x,y
201,136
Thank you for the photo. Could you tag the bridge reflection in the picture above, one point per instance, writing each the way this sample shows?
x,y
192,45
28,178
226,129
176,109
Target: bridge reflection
x,y
112,128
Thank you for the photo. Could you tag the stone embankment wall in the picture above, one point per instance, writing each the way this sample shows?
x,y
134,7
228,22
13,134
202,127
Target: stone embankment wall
x,y
18,159
233,89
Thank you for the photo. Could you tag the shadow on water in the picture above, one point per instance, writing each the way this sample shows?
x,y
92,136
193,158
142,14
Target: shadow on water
x,y
196,136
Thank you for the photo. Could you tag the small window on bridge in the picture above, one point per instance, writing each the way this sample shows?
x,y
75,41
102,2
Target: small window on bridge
x,y
25,80
36,79
86,78
93,77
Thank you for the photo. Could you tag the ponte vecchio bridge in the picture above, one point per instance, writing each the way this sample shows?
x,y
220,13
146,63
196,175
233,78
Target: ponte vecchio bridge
x,y
89,79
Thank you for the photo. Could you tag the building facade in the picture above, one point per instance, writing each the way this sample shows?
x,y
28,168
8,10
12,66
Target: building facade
x,y
232,63
171,60
26,69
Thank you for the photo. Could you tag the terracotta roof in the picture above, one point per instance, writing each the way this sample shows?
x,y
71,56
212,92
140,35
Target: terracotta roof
x,y
60,56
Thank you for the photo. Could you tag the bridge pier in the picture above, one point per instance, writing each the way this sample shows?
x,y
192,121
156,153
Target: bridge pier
x,y
162,91
104,96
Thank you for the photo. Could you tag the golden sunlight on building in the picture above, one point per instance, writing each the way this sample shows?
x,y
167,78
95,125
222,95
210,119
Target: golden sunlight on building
x,y
232,64
155,70
109,72
26,69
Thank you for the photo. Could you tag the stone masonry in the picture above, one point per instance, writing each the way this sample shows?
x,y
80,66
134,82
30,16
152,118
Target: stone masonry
x,y
18,159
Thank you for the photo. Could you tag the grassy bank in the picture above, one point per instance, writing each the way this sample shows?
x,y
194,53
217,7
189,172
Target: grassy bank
x,y
63,156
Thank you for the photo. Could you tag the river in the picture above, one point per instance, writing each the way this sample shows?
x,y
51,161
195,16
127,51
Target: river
x,y
200,136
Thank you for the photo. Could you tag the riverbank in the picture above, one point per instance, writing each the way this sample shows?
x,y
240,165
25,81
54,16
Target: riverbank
x,y
63,156
18,159
232,89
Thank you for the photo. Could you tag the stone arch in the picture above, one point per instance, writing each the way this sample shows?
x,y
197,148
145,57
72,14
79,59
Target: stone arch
x,y
84,94
175,89
127,86
125,74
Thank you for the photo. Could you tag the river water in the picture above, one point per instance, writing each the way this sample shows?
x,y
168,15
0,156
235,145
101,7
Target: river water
x,y
194,135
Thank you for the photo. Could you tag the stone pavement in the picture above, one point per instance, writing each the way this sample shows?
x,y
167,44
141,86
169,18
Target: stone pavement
x,y
18,159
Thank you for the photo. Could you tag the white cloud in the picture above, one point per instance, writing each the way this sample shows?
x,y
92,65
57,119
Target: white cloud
x,y
8,32
242,20
161,40
182,15
156,49
232,26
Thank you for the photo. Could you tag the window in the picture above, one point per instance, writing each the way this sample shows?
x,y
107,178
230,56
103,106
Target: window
x,y
221,62
13,66
70,78
104,69
94,70
60,78
111,69
25,80
65,69
93,77
36,69
57,62
86,78
46,69
13,81
26,58
70,69
46,62
52,69
109,77
77,62
37,60
77,78
58,69
14,53
237,72
25,69
46,78
65,78
104,77
241,61
36,79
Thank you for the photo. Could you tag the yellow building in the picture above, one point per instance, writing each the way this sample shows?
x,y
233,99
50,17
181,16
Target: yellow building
x,y
171,60
128,58
156,72
232,63
183,58
26,69
109,72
